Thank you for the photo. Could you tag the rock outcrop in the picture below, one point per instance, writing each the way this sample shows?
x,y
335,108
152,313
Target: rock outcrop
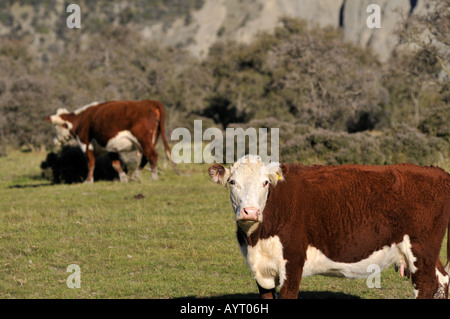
x,y
214,20
232,19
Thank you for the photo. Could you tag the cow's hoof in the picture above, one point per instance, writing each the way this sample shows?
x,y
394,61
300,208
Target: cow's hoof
x,y
88,181
123,178
154,176
136,176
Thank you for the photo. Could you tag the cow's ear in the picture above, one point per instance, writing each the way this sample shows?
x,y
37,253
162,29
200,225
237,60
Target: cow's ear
x,y
48,119
276,173
219,174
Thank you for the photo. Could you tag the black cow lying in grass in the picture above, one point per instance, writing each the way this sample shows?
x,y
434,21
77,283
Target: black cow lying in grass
x,y
70,166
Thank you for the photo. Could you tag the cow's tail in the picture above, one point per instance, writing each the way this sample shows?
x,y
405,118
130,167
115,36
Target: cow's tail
x,y
448,247
447,207
447,212
163,136
447,266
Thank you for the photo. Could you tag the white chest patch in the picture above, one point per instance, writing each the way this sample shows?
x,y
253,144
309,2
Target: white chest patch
x,y
124,141
83,146
317,263
266,262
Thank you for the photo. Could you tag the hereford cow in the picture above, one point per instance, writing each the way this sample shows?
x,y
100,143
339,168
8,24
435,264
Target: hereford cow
x,y
295,221
116,127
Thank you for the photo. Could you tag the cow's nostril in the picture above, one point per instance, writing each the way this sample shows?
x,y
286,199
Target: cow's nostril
x,y
250,213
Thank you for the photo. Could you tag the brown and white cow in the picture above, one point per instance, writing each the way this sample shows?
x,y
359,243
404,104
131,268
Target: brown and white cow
x,y
295,221
115,126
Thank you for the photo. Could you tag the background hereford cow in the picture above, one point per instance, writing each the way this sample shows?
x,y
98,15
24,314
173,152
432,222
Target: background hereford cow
x,y
295,221
116,127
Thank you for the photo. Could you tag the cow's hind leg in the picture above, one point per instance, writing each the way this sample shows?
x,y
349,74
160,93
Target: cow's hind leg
x,y
136,176
443,282
145,139
430,279
425,282
115,162
150,155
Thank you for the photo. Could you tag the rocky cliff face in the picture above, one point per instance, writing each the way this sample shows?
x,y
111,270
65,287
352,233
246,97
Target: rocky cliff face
x,y
382,40
196,27
234,19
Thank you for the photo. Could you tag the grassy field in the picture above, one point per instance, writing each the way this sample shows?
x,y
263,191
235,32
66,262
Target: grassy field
x,y
177,241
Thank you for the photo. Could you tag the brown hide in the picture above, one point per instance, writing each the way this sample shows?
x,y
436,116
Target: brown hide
x,y
350,211
102,122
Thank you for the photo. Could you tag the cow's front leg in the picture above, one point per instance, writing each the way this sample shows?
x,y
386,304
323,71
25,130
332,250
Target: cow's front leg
x,y
290,286
115,162
91,166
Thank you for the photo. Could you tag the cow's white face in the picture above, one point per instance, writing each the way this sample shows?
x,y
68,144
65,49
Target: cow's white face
x,y
249,181
62,127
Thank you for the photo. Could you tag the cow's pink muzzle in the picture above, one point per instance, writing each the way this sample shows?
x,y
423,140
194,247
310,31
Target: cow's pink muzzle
x,y
250,214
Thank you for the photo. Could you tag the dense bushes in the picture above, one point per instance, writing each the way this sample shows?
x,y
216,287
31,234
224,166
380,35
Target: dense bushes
x,y
333,102
310,76
437,122
309,145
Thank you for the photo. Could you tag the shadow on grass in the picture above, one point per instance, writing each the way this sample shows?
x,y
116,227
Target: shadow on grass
x,y
30,185
38,181
301,295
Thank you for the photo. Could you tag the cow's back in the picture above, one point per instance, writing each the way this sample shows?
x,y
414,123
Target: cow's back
x,y
106,119
360,209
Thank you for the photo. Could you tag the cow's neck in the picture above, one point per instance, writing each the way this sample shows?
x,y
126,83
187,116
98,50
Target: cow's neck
x,y
272,221
251,232
73,119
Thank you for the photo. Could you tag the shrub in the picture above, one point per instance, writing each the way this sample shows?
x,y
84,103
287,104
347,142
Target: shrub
x,y
437,122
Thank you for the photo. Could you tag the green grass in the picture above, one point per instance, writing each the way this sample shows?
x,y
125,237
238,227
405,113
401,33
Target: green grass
x,y
177,241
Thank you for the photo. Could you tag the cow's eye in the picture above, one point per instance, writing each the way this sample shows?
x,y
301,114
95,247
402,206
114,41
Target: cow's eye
x,y
266,183
232,182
